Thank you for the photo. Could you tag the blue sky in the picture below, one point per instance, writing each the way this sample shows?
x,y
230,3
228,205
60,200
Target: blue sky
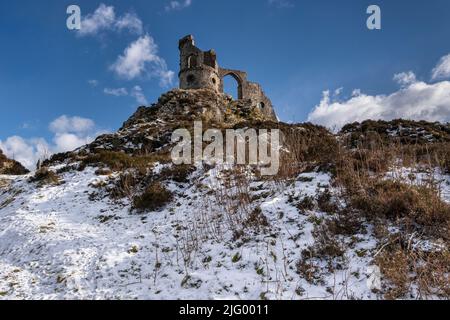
x,y
297,50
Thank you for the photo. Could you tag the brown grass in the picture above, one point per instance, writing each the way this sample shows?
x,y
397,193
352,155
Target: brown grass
x,y
178,173
155,197
44,176
306,148
11,167
119,161
403,267
394,265
416,209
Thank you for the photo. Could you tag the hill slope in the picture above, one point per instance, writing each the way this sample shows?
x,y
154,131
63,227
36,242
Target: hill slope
x,y
117,220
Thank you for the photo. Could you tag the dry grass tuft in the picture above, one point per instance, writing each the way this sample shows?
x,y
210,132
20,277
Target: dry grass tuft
x,y
44,176
155,197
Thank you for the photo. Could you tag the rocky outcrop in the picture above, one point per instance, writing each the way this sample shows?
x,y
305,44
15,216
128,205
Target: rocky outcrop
x,y
399,130
150,129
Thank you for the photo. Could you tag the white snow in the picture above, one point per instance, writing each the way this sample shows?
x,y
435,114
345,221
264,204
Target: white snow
x,y
56,243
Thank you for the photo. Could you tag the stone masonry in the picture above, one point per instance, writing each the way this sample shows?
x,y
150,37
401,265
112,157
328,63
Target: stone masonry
x,y
200,70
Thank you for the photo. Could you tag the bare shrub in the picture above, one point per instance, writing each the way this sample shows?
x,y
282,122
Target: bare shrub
x,y
125,185
326,203
417,205
307,203
256,220
433,273
404,266
326,248
44,176
234,197
345,222
178,173
153,198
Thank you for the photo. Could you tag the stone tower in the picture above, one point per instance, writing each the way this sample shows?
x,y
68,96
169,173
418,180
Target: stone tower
x,y
199,70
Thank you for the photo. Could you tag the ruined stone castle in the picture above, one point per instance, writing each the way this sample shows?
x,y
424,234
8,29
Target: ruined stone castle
x,y
199,70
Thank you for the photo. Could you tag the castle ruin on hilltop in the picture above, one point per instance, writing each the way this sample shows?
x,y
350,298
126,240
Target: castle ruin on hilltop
x,y
199,70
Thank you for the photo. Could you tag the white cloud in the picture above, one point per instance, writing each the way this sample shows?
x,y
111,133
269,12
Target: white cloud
x,y
165,77
178,5
141,58
416,101
69,133
27,152
139,95
69,141
442,69
135,92
104,19
119,92
65,124
405,78
131,22
281,3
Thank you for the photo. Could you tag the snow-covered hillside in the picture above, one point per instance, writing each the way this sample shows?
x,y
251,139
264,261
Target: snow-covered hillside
x,y
69,241
363,214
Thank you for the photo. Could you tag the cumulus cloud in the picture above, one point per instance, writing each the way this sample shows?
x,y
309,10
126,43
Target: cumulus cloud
x,y
75,124
118,92
69,141
417,101
141,58
405,78
178,5
104,19
69,133
442,70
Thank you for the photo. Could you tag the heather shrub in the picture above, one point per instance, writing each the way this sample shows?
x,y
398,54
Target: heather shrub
x,y
155,197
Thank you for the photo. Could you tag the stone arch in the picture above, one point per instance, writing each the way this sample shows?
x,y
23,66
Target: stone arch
x,y
238,79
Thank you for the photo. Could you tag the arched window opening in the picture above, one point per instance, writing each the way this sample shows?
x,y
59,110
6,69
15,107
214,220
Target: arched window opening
x,y
261,105
191,61
232,86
